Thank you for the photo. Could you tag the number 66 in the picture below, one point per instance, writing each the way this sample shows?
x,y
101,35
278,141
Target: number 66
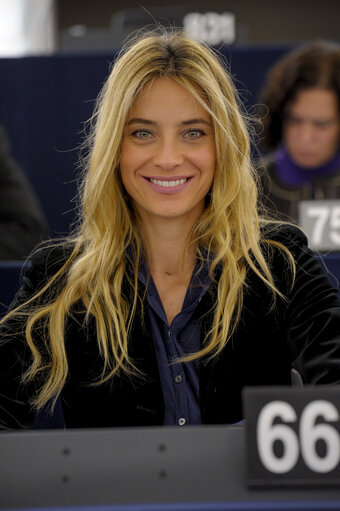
x,y
309,433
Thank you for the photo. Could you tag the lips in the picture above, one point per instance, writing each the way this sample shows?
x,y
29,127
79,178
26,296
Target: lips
x,y
171,185
168,183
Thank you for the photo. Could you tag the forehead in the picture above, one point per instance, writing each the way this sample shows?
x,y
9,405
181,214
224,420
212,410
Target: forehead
x,y
315,102
167,95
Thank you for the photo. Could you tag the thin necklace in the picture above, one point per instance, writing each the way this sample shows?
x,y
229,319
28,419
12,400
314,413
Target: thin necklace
x,y
169,273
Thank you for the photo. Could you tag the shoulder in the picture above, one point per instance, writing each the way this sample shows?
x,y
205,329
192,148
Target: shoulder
x,y
50,255
285,247
289,235
292,261
44,263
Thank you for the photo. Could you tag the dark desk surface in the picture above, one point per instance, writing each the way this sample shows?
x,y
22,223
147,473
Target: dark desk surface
x,y
141,469
208,506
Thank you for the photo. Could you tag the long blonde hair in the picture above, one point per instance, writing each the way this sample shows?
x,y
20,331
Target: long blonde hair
x,y
228,228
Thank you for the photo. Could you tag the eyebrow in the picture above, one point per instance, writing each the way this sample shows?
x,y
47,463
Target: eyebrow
x,y
189,122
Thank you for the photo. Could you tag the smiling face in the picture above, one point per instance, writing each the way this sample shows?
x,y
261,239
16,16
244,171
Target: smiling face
x,y
168,153
312,128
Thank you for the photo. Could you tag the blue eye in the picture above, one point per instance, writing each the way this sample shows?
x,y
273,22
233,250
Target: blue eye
x,y
194,133
141,134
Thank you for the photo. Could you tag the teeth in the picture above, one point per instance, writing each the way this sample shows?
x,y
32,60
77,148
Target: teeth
x,y
168,184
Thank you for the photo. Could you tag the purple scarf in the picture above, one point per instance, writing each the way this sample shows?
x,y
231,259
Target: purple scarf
x,y
293,175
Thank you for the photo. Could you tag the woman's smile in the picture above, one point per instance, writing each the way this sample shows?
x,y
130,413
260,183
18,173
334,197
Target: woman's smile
x,y
168,185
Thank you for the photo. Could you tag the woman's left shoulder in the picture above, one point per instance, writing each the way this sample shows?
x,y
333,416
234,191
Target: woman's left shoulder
x,y
284,243
289,235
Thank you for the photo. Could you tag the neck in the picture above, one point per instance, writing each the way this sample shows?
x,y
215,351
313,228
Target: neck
x,y
165,242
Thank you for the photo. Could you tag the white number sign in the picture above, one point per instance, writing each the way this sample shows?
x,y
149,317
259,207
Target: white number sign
x,y
309,434
321,221
293,435
211,27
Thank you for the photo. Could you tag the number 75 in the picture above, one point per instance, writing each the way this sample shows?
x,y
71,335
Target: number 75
x,y
322,216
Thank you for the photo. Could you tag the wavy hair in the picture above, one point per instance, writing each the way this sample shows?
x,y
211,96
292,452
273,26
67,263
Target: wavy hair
x,y
315,64
93,273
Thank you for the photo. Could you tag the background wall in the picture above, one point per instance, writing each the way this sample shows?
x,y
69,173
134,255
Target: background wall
x,y
259,21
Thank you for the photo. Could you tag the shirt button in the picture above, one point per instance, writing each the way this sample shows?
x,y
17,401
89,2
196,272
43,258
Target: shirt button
x,y
178,378
169,333
181,421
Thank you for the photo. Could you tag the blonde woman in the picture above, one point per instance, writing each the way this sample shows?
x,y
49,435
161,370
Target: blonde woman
x,y
173,294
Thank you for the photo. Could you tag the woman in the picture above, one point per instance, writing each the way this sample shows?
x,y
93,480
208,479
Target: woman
x,y
302,123
173,294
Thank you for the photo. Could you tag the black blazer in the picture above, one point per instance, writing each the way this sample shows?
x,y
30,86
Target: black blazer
x,y
301,330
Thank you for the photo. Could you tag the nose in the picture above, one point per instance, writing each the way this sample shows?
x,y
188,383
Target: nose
x,y
168,154
306,134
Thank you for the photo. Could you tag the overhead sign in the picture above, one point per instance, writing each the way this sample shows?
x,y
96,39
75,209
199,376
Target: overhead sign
x,y
211,27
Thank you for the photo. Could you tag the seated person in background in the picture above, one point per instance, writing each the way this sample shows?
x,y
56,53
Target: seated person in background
x,y
302,122
172,294
22,223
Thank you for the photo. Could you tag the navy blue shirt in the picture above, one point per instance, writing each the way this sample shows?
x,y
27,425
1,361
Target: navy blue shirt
x,y
179,381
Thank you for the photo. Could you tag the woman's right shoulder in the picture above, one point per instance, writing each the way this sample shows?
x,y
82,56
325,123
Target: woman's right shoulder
x,y
44,263
38,270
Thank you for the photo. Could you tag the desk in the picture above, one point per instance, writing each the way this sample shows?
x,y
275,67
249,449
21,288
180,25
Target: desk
x,y
209,506
197,468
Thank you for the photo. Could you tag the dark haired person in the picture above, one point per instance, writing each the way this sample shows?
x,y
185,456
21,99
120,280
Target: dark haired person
x,y
302,124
